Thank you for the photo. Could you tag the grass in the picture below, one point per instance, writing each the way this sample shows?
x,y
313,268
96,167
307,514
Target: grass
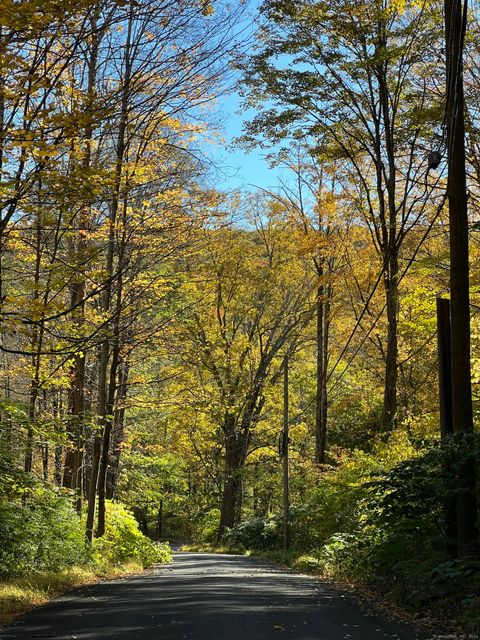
x,y
289,558
214,548
19,595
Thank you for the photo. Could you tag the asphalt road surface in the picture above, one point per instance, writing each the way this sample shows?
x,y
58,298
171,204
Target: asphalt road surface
x,y
211,597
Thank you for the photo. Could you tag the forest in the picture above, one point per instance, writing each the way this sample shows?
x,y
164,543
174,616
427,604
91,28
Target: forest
x,y
291,372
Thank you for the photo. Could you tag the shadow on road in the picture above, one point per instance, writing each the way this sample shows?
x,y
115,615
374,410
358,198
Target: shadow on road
x,y
210,597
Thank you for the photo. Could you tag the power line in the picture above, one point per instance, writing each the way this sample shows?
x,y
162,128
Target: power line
x,y
409,264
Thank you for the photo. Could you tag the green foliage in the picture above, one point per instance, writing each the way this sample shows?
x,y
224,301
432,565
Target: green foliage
x,y
209,523
124,541
44,534
334,499
151,478
13,481
258,533
378,519
354,423
306,564
395,539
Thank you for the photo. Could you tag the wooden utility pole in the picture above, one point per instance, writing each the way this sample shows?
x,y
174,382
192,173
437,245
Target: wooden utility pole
x,y
462,415
444,366
286,487
446,421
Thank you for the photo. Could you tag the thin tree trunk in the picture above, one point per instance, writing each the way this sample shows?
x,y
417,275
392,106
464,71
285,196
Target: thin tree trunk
x,y
112,387
107,430
444,344
320,425
389,414
118,431
74,458
326,346
45,448
324,296
36,344
106,398
159,530
97,442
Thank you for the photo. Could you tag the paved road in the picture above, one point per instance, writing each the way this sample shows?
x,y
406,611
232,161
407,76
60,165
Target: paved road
x,y
210,597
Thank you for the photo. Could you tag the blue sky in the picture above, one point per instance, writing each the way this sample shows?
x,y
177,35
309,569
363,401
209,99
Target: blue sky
x,y
240,169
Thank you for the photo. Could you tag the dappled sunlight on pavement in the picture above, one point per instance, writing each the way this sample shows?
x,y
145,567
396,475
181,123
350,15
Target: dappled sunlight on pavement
x,y
211,597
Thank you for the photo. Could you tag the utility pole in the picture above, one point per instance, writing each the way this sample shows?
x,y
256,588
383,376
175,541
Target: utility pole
x,y
446,421
444,348
286,488
462,415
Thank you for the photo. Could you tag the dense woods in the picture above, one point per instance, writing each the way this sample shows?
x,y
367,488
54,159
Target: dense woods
x,y
147,317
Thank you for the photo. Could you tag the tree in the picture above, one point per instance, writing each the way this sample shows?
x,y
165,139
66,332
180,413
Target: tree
x,y
311,202
252,304
351,79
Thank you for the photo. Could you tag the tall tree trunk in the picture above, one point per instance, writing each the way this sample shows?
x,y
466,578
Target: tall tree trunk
x,y
231,491
389,414
72,476
324,296
36,345
2,154
444,343
45,448
159,529
239,503
103,393
97,441
112,386
234,460
107,430
455,26
320,426
74,458
118,431
237,440
391,241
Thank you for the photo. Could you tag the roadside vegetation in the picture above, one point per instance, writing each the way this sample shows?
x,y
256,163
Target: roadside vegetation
x,y
43,550
373,520
167,346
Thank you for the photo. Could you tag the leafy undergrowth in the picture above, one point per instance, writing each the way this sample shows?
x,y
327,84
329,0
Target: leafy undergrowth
x,y
377,521
19,595
43,551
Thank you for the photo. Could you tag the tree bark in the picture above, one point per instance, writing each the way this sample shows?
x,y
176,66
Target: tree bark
x,y
159,529
444,342
112,385
107,430
235,453
320,425
389,413
118,432
324,296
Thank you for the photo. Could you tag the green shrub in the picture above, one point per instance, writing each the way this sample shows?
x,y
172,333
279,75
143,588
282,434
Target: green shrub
x,y
44,534
395,538
209,524
257,533
307,564
124,541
